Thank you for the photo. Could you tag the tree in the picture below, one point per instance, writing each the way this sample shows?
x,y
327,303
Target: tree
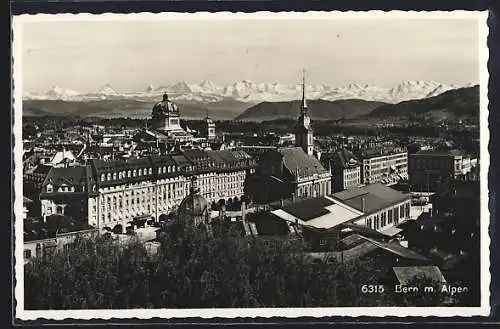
x,y
193,269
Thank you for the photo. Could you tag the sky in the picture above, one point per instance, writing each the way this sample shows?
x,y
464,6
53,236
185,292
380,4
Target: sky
x,y
130,56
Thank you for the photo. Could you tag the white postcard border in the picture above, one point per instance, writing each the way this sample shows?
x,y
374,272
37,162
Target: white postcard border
x,y
22,314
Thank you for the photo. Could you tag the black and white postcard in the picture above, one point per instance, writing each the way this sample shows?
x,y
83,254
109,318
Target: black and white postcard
x,y
227,165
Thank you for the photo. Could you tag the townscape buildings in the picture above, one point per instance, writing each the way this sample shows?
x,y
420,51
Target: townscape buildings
x,y
346,196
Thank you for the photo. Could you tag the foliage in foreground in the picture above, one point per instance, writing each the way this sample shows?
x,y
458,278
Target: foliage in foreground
x,y
190,271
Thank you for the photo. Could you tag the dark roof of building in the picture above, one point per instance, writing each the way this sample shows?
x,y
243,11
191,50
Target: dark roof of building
x,y
268,224
452,152
195,154
379,151
37,229
376,197
72,176
343,159
407,274
42,169
309,208
163,160
397,249
221,156
297,161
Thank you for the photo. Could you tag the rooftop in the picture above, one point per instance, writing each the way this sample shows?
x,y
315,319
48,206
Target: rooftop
x,y
453,152
397,249
407,274
72,176
375,196
322,213
297,161
343,159
36,229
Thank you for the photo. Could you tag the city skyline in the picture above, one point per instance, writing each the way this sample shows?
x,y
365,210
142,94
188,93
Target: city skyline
x,y
358,51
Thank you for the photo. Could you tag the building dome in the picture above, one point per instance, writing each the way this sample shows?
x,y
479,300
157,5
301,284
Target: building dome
x,y
194,208
165,107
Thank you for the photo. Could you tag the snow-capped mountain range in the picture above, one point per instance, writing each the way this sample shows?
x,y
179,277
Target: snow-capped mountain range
x,y
250,92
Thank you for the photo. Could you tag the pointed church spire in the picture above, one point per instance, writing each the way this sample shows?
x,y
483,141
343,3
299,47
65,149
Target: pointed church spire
x,y
303,106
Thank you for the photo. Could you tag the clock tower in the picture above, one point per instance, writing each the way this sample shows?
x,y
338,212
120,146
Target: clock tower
x,y
303,130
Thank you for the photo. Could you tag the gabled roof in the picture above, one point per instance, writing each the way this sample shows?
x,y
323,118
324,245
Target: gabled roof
x,y
343,159
297,161
71,176
397,249
376,197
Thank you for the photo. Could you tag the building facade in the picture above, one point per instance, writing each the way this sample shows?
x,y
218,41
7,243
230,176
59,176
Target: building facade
x,y
130,192
288,172
165,118
208,129
428,169
345,169
373,209
384,166
38,247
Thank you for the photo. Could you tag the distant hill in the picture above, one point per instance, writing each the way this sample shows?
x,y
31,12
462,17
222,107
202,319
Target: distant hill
x,y
453,104
222,110
462,103
318,109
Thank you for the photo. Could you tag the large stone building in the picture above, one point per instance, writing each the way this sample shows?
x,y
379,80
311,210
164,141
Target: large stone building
x,y
428,169
386,166
133,191
284,173
372,208
345,169
165,119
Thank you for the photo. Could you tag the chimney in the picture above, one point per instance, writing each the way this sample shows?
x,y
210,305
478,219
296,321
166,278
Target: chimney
x,y
281,203
363,204
243,211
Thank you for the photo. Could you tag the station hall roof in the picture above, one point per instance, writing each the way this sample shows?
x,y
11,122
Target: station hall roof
x,y
318,213
376,197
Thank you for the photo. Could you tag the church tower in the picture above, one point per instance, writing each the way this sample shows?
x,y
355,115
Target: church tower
x,y
208,129
303,129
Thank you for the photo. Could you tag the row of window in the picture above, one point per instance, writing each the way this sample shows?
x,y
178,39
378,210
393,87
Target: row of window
x,y
398,157
388,217
50,188
310,190
136,173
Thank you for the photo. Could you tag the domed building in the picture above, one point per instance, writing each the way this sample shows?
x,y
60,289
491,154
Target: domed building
x,y
165,119
194,209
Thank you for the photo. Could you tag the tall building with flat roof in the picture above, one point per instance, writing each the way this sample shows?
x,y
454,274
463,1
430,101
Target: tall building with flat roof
x,y
428,169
